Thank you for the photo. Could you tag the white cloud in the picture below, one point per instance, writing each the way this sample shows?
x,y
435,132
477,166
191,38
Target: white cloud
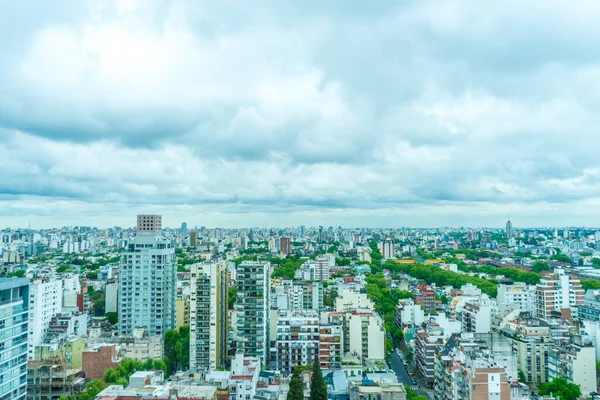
x,y
253,111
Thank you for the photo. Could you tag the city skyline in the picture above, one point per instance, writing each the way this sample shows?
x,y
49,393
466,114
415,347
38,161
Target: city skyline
x,y
229,114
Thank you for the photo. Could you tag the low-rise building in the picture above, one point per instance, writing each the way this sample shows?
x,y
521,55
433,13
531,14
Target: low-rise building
x,y
383,391
98,360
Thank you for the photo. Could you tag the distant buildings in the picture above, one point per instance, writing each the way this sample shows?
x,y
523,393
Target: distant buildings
x,y
387,249
208,316
284,245
194,238
147,280
509,229
14,302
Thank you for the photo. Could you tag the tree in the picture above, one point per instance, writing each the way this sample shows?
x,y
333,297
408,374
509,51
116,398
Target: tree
x,y
560,388
522,377
177,349
562,257
232,297
540,266
318,390
112,317
92,388
296,391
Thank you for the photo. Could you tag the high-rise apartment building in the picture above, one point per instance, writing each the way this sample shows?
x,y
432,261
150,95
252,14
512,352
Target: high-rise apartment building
x,y
556,293
14,308
284,245
252,306
208,316
45,301
147,283
194,238
387,249
297,338
509,229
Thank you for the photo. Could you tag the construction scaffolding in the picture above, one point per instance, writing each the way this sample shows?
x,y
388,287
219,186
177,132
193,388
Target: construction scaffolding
x,y
50,379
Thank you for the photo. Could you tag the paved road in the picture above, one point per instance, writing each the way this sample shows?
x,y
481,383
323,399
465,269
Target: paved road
x,y
402,374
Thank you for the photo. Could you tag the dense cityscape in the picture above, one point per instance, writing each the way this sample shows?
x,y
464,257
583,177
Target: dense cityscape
x,y
301,312
299,200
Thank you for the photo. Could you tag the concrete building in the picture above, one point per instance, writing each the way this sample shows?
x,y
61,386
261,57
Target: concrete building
x,y
509,230
284,245
387,249
245,372
52,379
365,335
424,295
556,293
427,341
194,238
182,306
477,316
383,391
350,300
147,283
518,294
252,306
330,346
45,301
98,360
112,298
297,338
208,316
409,314
69,349
576,361
590,309
532,341
14,301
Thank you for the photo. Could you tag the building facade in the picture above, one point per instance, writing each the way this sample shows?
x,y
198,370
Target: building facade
x,y
252,306
297,338
45,301
14,301
208,316
556,293
147,287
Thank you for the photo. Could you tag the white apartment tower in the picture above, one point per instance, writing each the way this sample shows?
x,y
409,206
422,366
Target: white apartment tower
x,y
45,301
147,283
252,306
208,316
387,249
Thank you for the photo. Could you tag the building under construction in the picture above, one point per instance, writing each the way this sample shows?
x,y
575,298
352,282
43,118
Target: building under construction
x,y
50,379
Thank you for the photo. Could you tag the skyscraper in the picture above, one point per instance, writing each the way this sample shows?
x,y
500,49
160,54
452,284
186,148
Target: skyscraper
x,y
284,245
509,229
387,249
194,238
252,306
45,301
147,280
208,316
14,308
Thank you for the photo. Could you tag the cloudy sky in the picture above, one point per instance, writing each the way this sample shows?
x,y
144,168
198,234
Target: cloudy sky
x,y
278,113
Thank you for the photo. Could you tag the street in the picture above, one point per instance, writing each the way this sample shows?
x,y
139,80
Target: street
x,y
402,374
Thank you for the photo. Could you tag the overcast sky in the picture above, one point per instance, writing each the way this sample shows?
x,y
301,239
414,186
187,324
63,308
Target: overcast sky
x,y
279,113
